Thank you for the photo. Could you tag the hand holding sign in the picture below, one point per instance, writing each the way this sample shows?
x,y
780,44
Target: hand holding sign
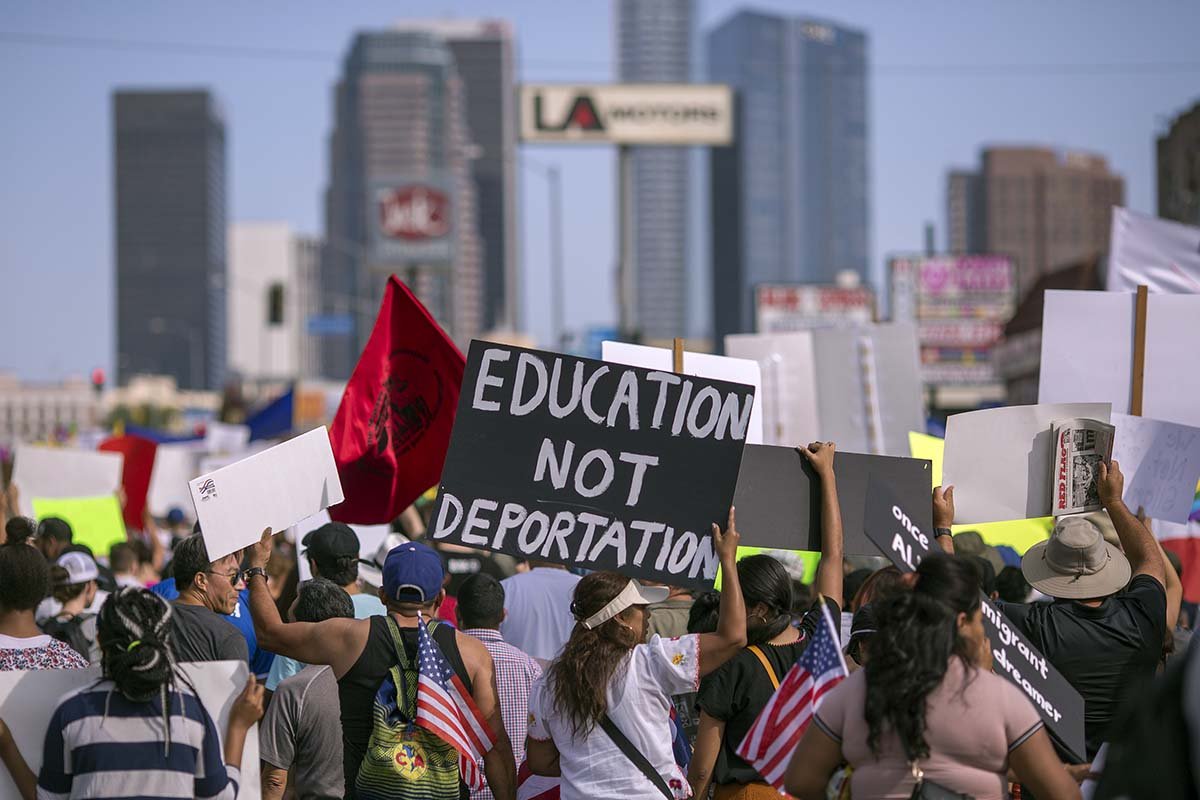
x,y
943,507
820,455
1111,483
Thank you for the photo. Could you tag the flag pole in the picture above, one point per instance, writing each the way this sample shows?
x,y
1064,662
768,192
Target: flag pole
x,y
1139,350
677,355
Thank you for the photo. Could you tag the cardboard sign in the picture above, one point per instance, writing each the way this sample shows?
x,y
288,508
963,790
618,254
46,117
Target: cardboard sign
x,y
275,488
52,472
221,437
592,464
174,465
1161,464
28,698
890,526
1085,361
779,496
95,522
703,365
998,460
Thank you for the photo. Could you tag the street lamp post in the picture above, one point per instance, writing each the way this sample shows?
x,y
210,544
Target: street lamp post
x,y
558,300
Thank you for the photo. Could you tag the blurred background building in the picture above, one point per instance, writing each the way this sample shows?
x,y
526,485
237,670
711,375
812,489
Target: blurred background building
x,y
789,198
1178,151
170,190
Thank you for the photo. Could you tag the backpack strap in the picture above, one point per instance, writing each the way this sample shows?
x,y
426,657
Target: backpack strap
x,y
633,754
762,658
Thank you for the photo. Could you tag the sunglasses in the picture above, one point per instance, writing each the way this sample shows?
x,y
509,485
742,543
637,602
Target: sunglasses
x,y
236,577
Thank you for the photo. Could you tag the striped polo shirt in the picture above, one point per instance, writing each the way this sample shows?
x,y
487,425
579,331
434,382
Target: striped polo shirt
x,y
121,751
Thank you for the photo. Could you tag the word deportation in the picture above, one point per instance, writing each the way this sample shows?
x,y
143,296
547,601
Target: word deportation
x,y
677,405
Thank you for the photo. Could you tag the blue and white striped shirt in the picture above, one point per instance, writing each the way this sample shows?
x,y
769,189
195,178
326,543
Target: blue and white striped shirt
x,y
123,753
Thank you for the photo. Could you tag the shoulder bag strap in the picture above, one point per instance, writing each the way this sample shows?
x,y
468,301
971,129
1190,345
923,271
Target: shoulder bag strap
x,y
762,658
635,755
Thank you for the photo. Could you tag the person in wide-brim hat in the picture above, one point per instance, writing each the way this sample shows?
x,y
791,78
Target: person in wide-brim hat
x,y
1076,563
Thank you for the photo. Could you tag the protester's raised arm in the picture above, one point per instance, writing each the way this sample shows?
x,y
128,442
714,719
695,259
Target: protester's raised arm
x,y
717,648
1174,585
943,517
829,572
1137,542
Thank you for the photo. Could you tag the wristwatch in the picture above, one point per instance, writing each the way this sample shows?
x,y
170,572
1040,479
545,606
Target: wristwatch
x,y
941,532
250,573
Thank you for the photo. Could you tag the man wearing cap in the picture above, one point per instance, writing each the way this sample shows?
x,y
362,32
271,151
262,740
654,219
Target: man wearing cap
x,y
362,651
1104,631
332,553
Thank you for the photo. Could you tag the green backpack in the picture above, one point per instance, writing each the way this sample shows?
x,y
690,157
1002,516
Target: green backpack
x,y
404,762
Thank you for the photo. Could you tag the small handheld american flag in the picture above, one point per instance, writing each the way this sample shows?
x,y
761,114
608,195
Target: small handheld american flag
x,y
771,739
445,709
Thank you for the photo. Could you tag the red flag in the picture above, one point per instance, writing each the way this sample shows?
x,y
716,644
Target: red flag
x,y
392,428
135,475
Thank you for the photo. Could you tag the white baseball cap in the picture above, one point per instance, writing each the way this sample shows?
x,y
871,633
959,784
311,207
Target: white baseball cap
x,y
80,567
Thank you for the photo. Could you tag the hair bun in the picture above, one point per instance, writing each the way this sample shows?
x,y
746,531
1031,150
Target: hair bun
x,y
19,530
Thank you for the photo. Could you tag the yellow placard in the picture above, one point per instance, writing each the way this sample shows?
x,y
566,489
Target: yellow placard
x,y
810,559
1019,534
96,522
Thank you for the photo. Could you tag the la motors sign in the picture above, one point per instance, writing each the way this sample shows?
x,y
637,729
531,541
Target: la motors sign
x,y
640,113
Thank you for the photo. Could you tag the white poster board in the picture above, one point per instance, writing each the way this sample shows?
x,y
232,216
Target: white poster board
x,y
275,488
56,472
1161,464
998,459
221,437
28,698
1087,352
174,465
789,394
702,365
1158,253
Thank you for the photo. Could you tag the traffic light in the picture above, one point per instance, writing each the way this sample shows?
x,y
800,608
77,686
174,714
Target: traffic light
x,y
275,304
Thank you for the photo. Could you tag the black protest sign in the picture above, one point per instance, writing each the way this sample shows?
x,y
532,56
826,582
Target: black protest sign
x,y
590,464
779,496
890,525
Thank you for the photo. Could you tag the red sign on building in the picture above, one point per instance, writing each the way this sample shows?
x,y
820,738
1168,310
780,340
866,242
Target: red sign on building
x,y
414,213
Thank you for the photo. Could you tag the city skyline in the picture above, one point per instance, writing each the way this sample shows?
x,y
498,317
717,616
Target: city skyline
x,y
1039,84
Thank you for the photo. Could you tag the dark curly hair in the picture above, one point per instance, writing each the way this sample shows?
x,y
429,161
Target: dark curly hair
x,y
24,573
917,636
580,675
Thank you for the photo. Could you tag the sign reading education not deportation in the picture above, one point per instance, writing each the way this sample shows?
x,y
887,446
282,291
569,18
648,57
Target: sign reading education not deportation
x,y
590,464
892,528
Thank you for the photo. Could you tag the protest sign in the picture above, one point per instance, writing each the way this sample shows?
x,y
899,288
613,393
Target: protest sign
x,y
273,489
174,465
58,472
998,459
95,522
28,698
592,464
1087,353
1161,464
221,437
135,474
789,389
701,365
890,526
1158,253
779,496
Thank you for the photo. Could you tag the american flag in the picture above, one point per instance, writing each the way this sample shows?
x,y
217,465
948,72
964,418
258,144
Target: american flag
x,y
445,709
771,739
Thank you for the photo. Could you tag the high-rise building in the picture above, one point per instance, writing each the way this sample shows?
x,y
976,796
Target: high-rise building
x,y
1044,210
789,198
401,197
654,45
1179,169
169,149
272,294
483,56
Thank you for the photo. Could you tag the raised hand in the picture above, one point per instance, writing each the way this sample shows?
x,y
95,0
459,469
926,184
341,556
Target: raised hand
x,y
1110,483
726,543
943,507
820,455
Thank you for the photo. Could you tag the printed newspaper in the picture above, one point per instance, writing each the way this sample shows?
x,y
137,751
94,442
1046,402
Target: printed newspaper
x,y
1079,445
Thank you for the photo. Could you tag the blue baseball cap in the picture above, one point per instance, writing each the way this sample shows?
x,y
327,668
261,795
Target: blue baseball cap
x,y
412,573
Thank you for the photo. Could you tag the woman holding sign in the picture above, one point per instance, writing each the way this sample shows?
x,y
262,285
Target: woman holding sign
x,y
600,718
926,713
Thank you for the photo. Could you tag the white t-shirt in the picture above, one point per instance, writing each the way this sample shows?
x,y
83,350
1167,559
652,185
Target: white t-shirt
x,y
538,603
639,704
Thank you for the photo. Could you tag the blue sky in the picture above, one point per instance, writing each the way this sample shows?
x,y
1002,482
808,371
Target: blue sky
x,y
947,78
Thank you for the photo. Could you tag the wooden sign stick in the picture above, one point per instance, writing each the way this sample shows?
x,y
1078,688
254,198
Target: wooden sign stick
x,y
1139,350
677,355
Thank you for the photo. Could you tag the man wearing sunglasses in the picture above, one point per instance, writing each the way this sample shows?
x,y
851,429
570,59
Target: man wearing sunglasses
x,y
206,591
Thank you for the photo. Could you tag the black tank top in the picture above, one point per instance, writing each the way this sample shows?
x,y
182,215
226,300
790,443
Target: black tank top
x,y
357,688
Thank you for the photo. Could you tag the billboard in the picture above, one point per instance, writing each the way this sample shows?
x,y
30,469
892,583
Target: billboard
x,y
960,305
410,222
782,308
643,113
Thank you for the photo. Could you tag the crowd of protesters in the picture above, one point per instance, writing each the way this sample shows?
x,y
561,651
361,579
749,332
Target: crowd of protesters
x,y
596,685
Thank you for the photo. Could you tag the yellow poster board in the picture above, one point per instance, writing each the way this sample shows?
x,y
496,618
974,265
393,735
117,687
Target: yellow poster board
x,y
1019,534
96,522
809,558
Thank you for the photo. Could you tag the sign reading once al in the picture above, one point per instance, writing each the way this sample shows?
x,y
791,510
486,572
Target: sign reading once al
x,y
638,113
590,464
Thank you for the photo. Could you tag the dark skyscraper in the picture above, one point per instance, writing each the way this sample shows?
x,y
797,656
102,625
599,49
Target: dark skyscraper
x,y
170,236
401,198
789,198
1178,157
654,45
